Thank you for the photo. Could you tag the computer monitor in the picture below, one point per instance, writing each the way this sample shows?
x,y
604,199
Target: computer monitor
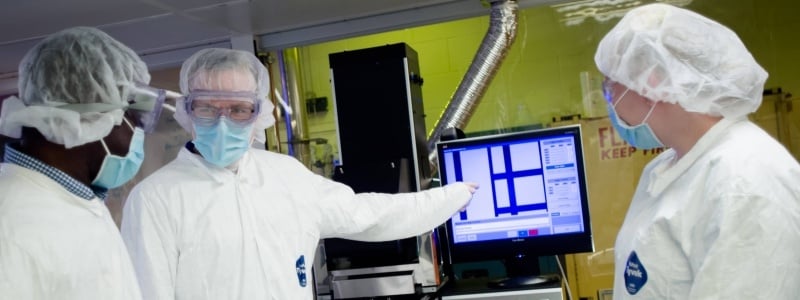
x,y
532,199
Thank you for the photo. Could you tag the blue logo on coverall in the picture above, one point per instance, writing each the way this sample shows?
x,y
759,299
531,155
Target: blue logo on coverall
x,y
635,274
300,266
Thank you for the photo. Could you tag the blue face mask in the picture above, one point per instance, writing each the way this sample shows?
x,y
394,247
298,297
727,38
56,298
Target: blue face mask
x,y
640,136
222,143
116,170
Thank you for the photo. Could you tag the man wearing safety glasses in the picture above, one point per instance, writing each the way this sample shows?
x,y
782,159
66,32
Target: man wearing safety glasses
x,y
81,116
227,221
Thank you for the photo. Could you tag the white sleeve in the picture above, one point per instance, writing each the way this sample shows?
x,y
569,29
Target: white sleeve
x,y
383,217
753,251
151,244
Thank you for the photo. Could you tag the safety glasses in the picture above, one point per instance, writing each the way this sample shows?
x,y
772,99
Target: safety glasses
x,y
206,107
608,90
144,105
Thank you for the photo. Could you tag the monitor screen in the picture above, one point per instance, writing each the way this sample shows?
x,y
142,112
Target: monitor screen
x,y
532,199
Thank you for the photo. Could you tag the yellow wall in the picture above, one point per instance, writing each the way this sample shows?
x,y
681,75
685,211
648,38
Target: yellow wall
x,y
540,79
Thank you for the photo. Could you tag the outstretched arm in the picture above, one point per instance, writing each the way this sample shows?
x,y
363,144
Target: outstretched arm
x,y
383,217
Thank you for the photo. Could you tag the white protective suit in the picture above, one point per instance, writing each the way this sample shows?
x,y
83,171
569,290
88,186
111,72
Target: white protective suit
x,y
56,245
723,222
196,231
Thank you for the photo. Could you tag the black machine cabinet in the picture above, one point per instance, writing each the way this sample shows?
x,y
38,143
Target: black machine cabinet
x,y
380,116
381,129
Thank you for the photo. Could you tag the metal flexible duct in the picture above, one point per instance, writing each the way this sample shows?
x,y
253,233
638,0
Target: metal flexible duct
x,y
297,130
501,34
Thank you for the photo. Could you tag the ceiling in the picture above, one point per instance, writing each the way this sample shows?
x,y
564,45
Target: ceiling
x,y
165,32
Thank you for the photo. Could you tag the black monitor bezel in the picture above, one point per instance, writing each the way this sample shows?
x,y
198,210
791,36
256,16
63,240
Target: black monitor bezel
x,y
528,246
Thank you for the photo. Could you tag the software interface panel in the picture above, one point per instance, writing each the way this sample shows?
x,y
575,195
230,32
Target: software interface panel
x,y
527,188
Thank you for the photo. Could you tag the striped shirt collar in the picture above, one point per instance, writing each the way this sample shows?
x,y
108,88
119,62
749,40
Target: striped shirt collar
x,y
73,186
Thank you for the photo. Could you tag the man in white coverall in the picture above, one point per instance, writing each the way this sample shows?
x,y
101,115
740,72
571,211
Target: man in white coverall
x,y
715,216
81,115
227,221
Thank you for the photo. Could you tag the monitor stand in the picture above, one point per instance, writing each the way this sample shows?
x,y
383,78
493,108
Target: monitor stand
x,y
523,271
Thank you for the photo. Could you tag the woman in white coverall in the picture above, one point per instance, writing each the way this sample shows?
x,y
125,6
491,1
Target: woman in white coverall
x,y
715,216
227,221
79,136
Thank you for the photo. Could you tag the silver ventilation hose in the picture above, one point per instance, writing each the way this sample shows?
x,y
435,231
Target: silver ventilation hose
x,y
501,34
